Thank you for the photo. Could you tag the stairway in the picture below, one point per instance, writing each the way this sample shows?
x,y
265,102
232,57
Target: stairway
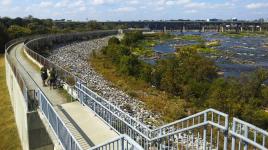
x,y
74,131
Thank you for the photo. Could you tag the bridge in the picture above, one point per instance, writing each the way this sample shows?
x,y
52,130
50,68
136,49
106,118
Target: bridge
x,y
202,26
80,119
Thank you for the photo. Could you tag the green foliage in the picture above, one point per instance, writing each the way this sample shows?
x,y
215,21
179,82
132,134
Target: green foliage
x,y
18,27
146,72
16,31
113,41
200,48
241,97
129,65
4,37
131,38
187,74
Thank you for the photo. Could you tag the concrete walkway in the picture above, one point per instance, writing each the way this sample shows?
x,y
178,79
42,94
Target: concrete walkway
x,y
87,121
88,129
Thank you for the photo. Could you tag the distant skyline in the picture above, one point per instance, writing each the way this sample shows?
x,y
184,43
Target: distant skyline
x,y
126,10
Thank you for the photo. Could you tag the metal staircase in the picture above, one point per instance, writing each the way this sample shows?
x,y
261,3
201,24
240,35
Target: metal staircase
x,y
73,130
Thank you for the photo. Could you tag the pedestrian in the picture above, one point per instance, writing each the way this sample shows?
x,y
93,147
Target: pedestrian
x,y
44,75
52,78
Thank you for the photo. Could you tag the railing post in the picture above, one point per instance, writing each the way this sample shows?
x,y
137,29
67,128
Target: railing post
x,y
122,143
225,146
205,133
233,137
246,136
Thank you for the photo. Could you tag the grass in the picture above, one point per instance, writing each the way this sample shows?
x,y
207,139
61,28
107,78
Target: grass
x,y
8,130
171,108
200,49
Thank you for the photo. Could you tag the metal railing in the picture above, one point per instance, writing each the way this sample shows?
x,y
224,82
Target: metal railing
x,y
248,136
209,120
209,129
67,140
123,142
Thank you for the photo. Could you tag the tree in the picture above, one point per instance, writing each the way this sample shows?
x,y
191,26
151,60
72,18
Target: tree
x,y
146,72
4,38
129,65
131,38
113,41
16,31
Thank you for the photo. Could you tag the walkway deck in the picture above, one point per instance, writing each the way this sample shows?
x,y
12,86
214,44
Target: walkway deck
x,y
87,128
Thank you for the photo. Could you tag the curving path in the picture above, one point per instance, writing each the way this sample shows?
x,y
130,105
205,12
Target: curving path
x,y
88,129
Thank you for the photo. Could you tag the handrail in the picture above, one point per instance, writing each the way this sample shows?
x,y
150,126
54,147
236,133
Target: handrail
x,y
48,114
124,140
242,129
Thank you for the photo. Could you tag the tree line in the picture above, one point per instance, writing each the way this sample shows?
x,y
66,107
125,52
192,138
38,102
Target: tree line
x,y
193,77
21,27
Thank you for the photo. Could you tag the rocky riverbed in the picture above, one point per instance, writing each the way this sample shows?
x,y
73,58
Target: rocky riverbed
x,y
74,57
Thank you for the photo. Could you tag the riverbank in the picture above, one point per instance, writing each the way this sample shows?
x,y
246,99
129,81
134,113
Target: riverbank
x,y
74,57
8,129
170,107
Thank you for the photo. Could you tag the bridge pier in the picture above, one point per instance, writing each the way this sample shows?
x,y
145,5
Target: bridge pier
x,y
203,28
252,28
183,29
260,29
165,29
222,29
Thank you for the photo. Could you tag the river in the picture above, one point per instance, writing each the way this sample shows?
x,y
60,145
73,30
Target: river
x,y
238,54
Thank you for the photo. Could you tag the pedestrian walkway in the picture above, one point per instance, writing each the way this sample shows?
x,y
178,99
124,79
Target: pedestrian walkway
x,y
88,129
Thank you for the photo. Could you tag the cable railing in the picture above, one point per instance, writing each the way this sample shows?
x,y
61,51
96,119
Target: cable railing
x,y
209,129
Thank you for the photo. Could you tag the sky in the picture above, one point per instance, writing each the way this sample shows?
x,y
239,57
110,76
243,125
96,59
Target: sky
x,y
128,10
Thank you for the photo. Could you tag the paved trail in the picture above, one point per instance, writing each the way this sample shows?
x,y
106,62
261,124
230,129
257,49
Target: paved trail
x,y
80,120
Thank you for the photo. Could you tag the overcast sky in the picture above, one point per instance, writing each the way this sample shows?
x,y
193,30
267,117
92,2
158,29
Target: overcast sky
x,y
104,10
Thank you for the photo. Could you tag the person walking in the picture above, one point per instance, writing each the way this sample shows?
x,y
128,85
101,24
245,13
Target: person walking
x,y
52,78
44,75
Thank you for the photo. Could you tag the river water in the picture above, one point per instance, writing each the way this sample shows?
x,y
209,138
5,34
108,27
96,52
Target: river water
x,y
237,55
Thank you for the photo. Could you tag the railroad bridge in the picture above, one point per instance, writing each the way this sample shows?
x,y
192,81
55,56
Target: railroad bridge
x,y
202,26
46,120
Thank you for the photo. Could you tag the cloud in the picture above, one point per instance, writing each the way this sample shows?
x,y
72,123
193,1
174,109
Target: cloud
x,y
177,2
204,5
6,2
102,2
257,5
196,5
62,4
133,2
191,11
124,9
46,4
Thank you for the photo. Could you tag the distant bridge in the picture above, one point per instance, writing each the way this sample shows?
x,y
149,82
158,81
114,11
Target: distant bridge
x,y
201,26
45,120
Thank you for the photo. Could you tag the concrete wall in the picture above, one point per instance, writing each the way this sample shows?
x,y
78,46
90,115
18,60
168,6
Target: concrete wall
x,y
32,132
19,106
